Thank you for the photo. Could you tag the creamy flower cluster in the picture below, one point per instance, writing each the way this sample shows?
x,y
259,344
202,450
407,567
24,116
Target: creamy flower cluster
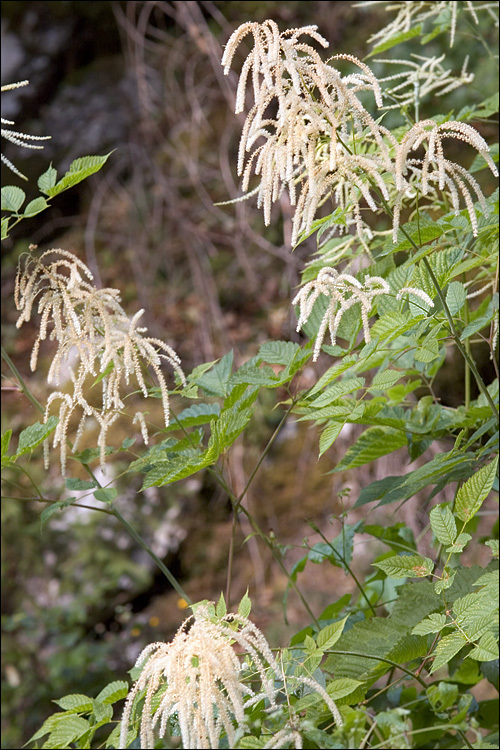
x,y
423,76
303,144
91,329
19,139
411,14
308,132
198,677
343,291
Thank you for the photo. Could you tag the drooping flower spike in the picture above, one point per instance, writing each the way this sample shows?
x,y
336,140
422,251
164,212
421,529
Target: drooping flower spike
x,y
97,342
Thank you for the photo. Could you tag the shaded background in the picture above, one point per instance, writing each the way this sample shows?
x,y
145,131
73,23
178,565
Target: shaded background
x,y
144,78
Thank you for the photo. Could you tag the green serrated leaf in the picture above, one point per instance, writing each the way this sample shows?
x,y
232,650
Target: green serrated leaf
x,y
397,39
106,494
486,649
221,608
48,725
196,415
249,742
5,227
343,686
459,544
180,467
445,582
73,484
444,467
32,436
406,566
75,702
329,436
104,374
443,524
455,297
429,349
215,380
35,207
68,729
278,352
251,373
310,645
53,508
47,180
432,624
332,373
373,443
245,606
328,636
225,430
12,198
446,650
386,379
472,494
103,713
493,545
336,391
115,691
79,170
6,436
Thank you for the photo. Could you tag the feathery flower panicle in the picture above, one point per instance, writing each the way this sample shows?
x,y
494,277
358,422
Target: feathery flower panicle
x,y
313,145
19,139
411,14
91,326
436,168
424,75
343,291
199,677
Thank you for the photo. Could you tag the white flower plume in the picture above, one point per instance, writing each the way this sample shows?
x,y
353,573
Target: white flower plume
x,y
199,677
312,144
109,346
19,139
307,132
343,291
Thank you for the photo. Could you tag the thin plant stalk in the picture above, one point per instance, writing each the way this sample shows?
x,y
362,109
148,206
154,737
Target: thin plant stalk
x,y
113,510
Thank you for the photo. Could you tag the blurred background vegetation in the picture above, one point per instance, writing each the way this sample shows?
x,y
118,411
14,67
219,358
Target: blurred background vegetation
x,y
79,599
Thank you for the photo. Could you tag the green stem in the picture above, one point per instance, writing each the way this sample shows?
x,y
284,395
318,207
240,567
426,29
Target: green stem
x,y
464,739
346,565
236,503
265,452
412,732
140,541
113,511
24,387
467,371
468,359
258,531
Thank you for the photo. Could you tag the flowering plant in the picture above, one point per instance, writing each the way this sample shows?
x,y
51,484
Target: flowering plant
x,y
403,274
